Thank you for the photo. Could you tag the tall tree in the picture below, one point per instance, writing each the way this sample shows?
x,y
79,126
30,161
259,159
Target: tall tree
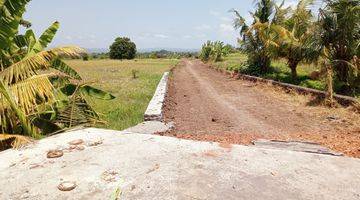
x,y
340,38
251,42
299,30
123,48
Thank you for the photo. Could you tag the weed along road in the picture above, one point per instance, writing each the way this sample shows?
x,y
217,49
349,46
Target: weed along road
x,y
207,105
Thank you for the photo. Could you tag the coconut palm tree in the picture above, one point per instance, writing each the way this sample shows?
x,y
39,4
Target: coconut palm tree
x,y
339,37
250,38
298,29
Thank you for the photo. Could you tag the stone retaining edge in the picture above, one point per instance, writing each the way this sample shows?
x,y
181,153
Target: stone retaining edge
x,y
154,111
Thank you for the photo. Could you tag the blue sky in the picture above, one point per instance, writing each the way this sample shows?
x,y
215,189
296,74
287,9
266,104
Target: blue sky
x,y
150,23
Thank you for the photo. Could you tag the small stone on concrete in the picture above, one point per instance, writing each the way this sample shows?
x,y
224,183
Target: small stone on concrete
x,y
96,143
76,142
55,154
66,186
80,148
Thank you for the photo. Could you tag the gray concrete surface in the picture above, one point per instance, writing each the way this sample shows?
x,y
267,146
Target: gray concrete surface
x,y
140,166
155,107
150,127
308,147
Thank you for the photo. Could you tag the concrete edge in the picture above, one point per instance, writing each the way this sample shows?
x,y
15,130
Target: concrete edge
x,y
154,111
341,99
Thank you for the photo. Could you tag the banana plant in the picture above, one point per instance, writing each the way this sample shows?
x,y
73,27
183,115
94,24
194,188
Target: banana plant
x,y
214,50
206,51
27,88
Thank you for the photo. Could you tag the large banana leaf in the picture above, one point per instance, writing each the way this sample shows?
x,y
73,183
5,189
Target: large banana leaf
x,y
71,89
61,66
11,12
29,66
32,92
10,108
45,39
96,93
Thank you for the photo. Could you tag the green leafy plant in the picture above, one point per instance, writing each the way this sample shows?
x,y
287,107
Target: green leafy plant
x,y
214,51
28,90
134,73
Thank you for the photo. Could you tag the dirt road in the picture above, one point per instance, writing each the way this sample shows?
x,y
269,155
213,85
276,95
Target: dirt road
x,y
207,105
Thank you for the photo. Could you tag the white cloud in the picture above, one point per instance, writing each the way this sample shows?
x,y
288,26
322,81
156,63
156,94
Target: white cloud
x,y
187,36
226,19
227,32
203,27
201,35
68,37
214,13
162,36
226,28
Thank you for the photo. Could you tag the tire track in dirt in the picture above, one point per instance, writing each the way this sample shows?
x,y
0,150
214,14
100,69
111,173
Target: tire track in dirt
x,y
244,120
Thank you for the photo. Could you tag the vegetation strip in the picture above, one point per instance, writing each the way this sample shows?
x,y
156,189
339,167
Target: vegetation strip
x,y
343,100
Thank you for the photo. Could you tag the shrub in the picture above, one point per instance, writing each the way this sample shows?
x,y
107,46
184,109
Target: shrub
x,y
214,51
85,57
134,73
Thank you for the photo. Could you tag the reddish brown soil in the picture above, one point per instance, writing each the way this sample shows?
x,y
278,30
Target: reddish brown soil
x,y
209,106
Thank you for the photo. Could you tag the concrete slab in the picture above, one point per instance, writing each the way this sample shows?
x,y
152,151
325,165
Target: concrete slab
x,y
139,166
307,147
150,127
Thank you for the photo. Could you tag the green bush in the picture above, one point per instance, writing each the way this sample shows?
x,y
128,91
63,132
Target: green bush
x,y
123,48
85,57
214,51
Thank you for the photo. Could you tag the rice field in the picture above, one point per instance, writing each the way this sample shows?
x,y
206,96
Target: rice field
x,y
117,77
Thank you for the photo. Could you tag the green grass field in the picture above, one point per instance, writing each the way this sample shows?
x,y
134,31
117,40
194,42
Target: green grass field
x,y
133,95
279,72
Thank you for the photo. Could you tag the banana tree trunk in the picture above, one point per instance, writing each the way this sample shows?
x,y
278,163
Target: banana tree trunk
x,y
28,128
